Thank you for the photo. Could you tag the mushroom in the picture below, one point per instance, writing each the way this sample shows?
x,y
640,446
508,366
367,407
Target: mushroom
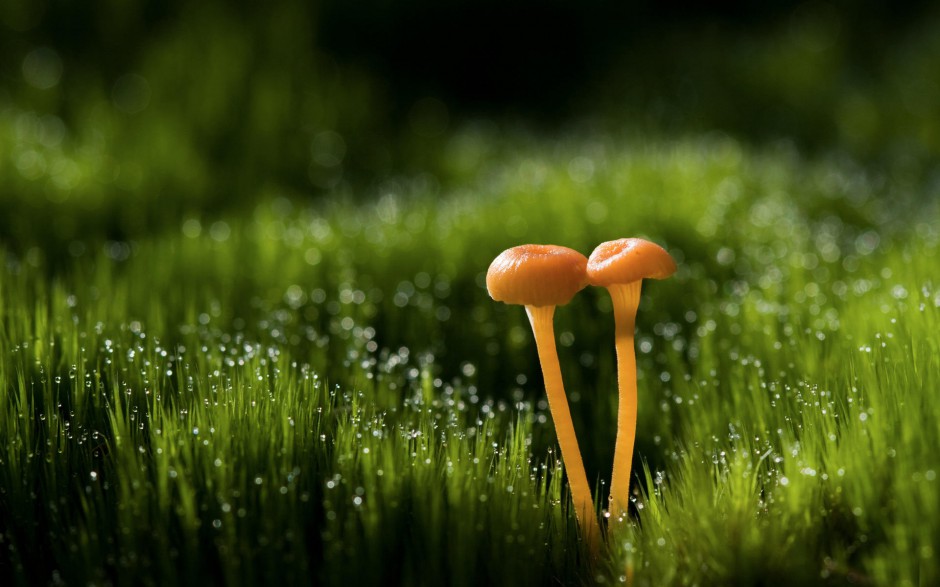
x,y
541,277
621,266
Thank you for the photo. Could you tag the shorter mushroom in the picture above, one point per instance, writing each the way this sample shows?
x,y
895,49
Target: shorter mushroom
x,y
621,266
541,277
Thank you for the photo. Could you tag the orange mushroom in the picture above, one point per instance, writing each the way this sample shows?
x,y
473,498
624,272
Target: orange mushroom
x,y
541,277
621,266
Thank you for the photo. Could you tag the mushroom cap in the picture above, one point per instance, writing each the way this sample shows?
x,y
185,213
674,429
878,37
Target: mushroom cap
x,y
536,275
627,260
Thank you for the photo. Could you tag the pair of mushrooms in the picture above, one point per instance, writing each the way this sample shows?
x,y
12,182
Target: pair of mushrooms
x,y
541,277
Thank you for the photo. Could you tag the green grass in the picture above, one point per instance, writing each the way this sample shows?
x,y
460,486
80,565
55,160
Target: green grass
x,y
325,393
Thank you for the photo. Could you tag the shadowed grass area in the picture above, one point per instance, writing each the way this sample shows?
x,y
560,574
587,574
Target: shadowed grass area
x,y
326,393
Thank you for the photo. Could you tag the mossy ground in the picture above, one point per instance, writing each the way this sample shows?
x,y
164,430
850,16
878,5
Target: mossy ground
x,y
295,392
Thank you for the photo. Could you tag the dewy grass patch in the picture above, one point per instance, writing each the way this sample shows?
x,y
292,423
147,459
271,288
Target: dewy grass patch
x,y
327,394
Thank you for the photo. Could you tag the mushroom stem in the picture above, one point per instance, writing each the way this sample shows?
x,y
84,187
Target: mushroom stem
x,y
541,318
626,300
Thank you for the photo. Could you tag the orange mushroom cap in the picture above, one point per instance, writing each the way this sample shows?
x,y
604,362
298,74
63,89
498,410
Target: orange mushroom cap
x,y
536,275
627,260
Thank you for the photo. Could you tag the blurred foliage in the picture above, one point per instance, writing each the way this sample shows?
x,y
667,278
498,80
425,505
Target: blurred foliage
x,y
192,108
826,76
117,119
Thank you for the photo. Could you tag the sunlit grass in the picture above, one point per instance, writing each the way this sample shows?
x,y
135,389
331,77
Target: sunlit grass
x,y
293,393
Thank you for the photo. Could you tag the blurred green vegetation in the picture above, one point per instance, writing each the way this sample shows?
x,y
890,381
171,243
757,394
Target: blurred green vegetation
x,y
117,119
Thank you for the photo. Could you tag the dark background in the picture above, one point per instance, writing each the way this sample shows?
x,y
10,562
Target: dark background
x,y
164,108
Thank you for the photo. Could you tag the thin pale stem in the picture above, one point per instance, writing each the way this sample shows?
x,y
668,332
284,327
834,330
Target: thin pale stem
x,y
626,299
543,327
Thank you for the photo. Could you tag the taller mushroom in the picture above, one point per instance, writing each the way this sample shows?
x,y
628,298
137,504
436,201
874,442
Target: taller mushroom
x,y
621,266
541,277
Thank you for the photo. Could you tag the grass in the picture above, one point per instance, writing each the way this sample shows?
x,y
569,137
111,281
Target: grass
x,y
324,393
